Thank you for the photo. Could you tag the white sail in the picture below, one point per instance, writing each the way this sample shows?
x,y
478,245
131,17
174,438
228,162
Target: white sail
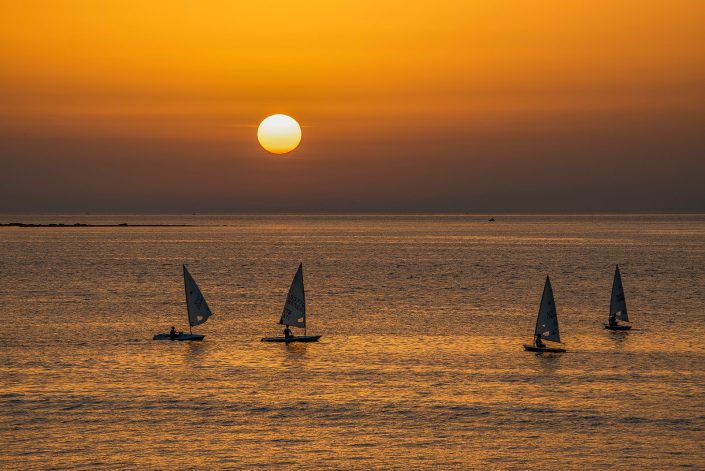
x,y
547,321
198,310
618,304
294,313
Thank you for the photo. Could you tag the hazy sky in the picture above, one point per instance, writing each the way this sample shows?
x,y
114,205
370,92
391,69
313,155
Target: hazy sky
x,y
405,105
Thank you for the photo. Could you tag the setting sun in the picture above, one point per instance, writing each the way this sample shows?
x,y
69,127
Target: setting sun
x,y
279,134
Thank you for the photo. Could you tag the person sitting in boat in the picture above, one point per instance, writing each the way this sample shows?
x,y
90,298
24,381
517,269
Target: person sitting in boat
x,y
613,319
172,334
538,342
287,332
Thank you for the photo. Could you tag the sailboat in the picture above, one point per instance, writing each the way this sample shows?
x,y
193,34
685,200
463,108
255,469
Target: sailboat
x,y
618,305
197,311
546,323
294,313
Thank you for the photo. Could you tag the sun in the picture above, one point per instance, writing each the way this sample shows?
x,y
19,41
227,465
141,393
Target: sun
x,y
279,134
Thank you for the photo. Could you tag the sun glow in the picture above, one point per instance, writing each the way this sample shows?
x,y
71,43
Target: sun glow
x,y
279,134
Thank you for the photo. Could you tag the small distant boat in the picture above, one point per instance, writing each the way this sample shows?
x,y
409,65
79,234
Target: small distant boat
x,y
294,313
491,219
197,311
546,323
618,305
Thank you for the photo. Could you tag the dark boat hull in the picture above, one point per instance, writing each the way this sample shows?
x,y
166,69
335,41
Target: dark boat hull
x,y
182,336
299,338
617,327
532,348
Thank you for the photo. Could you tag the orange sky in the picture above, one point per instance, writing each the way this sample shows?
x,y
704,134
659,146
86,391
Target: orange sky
x,y
441,105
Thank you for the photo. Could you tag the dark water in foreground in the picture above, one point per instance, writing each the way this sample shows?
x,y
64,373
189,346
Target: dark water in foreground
x,y
420,364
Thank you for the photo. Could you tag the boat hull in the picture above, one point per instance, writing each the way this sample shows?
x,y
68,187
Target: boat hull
x,y
180,336
532,348
617,327
299,338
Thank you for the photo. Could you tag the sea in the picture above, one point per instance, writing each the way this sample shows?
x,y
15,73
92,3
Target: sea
x,y
420,364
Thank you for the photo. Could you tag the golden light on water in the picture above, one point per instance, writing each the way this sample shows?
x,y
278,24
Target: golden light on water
x,y
411,372
279,134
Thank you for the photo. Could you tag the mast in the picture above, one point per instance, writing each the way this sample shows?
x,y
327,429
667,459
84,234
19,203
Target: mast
x,y
188,317
538,315
303,292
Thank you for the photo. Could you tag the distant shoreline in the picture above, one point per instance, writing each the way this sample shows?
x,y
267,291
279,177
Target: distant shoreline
x,y
78,224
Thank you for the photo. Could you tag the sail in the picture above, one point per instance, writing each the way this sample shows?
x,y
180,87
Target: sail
x,y
618,305
294,313
547,321
198,310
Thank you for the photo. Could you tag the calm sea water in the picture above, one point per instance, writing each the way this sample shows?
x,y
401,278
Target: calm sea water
x,y
421,362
